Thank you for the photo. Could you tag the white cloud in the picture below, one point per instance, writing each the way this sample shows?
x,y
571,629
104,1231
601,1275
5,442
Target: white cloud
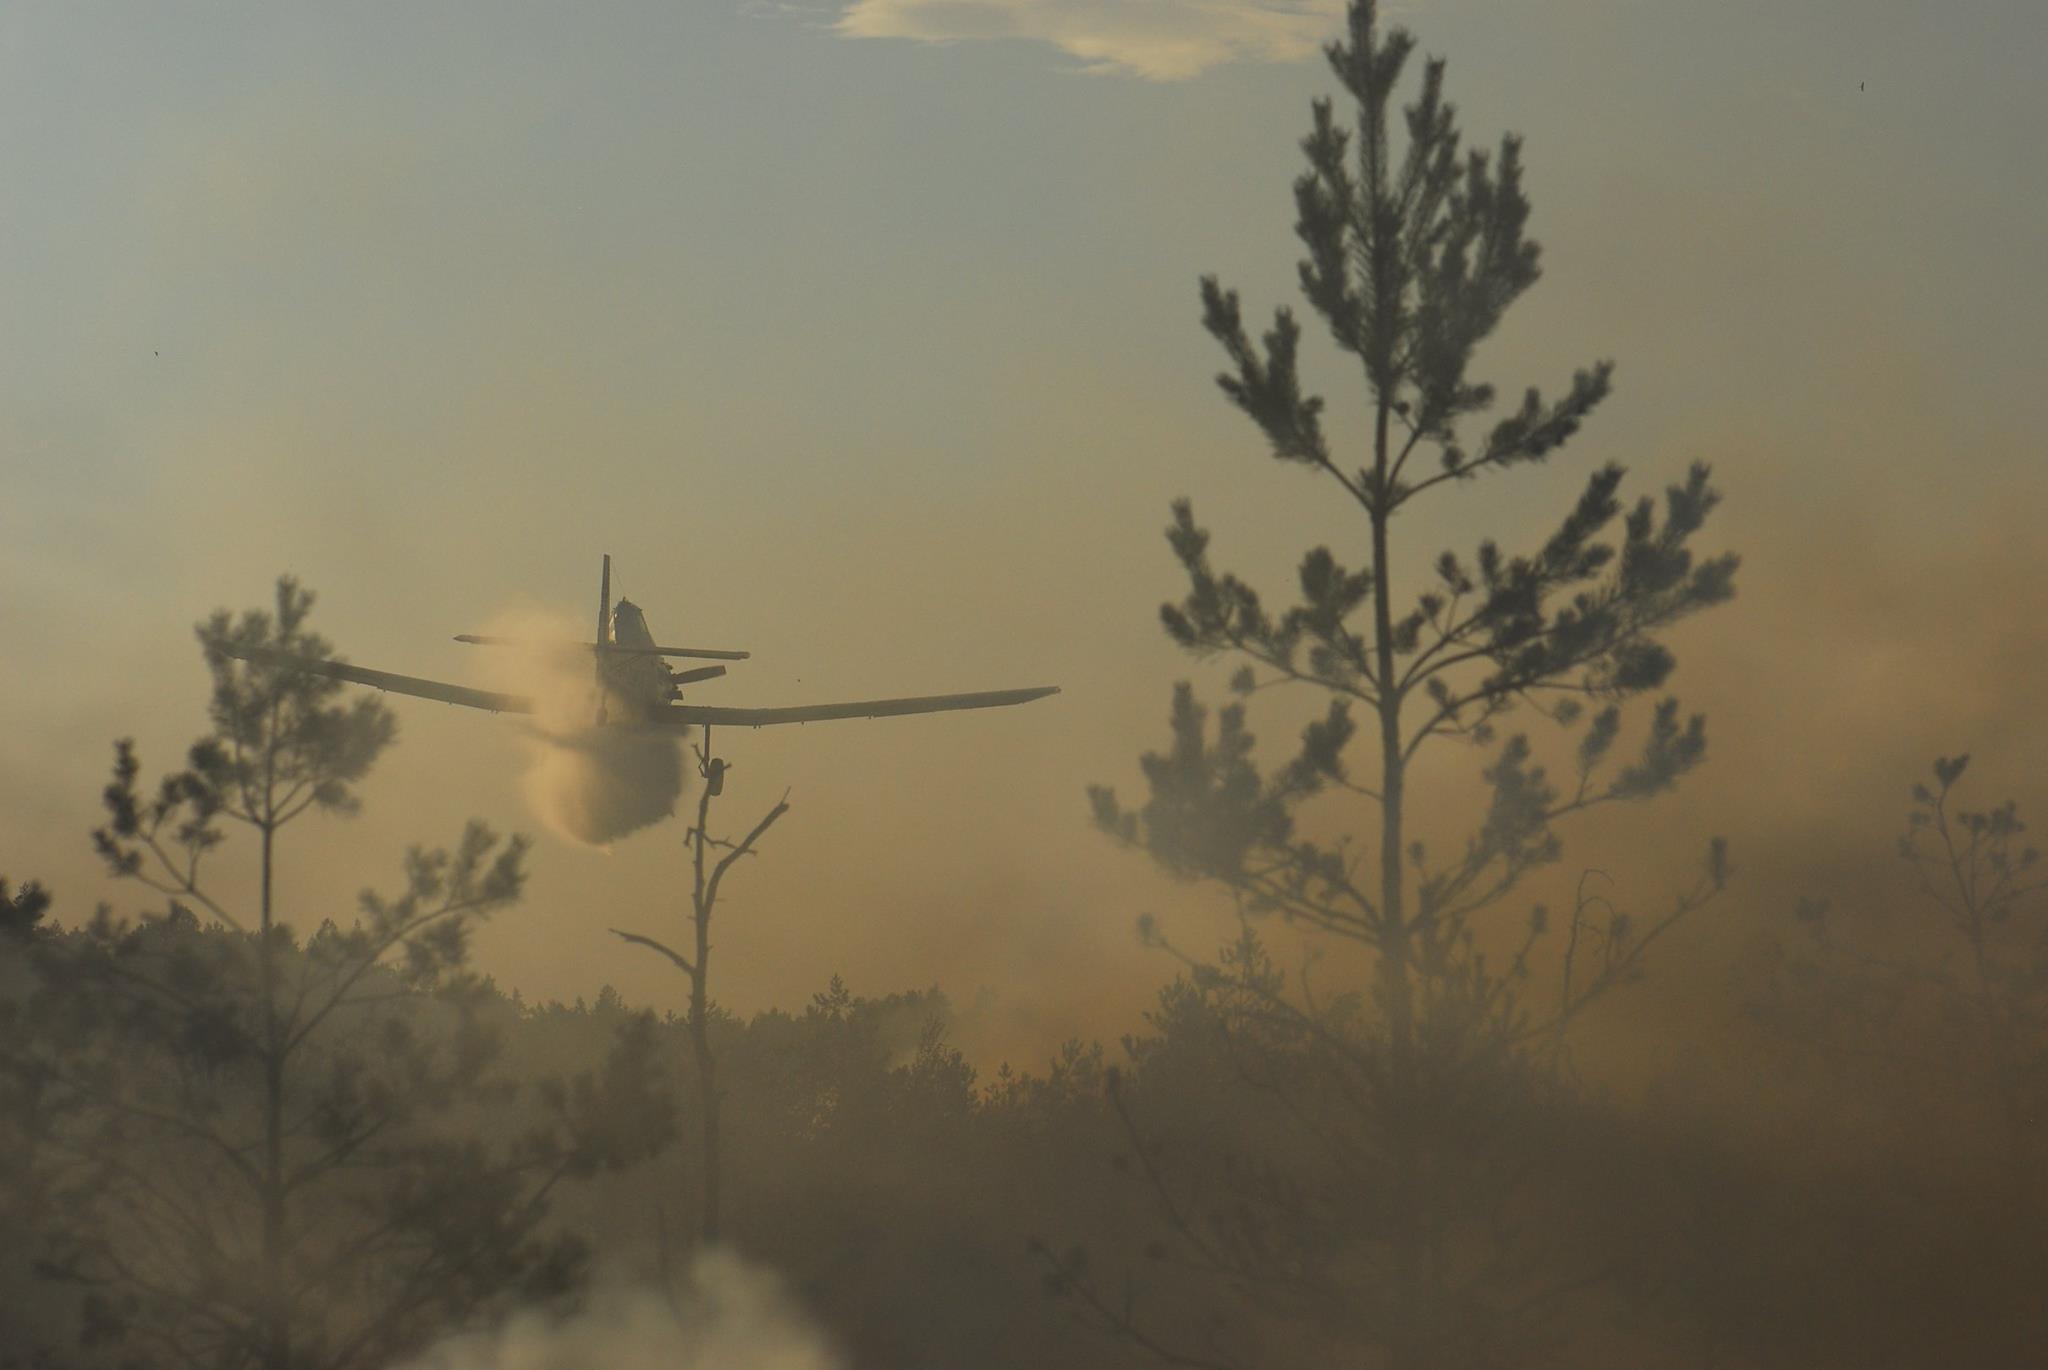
x,y
1160,40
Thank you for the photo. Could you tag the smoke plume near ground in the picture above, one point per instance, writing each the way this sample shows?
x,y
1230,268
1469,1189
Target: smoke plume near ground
x,y
587,783
732,1316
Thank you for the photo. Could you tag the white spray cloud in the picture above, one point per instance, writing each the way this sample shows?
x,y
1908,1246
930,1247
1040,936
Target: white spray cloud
x,y
585,782
732,1316
596,785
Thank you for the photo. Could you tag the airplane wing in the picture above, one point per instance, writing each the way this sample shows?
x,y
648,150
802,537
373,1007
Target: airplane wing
x,y
685,715
404,684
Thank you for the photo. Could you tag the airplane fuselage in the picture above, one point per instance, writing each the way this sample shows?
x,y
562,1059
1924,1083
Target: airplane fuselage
x,y
637,683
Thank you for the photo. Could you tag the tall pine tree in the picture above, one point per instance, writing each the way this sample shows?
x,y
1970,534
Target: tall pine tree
x,y
1416,247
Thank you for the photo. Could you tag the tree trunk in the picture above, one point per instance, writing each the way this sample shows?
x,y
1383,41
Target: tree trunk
x,y
276,1324
707,1073
1396,968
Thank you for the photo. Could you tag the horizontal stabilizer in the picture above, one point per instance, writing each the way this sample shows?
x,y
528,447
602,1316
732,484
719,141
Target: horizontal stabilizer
x,y
703,653
689,715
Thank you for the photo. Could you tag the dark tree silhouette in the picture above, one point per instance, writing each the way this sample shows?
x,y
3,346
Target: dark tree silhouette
x,y
32,1328
22,909
1977,874
271,1150
1416,247
1951,1000
710,858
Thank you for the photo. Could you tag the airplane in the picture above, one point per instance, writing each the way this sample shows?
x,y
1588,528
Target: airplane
x,y
635,688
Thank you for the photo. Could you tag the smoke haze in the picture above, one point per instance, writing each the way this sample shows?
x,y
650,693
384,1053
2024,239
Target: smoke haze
x,y
731,1315
827,437
882,360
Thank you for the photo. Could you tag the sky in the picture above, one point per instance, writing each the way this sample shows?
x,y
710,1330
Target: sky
x,y
865,337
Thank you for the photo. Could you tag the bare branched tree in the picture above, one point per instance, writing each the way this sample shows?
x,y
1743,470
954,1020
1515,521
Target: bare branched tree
x,y
1952,998
711,857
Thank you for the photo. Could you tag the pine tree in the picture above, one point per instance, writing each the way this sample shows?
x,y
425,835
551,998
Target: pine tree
x,y
274,1150
1416,247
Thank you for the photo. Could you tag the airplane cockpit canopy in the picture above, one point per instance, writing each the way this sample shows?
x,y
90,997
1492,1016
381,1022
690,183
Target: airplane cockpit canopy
x,y
627,618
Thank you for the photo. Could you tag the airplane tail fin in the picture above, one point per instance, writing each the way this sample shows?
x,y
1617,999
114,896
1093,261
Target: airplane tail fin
x,y
604,630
